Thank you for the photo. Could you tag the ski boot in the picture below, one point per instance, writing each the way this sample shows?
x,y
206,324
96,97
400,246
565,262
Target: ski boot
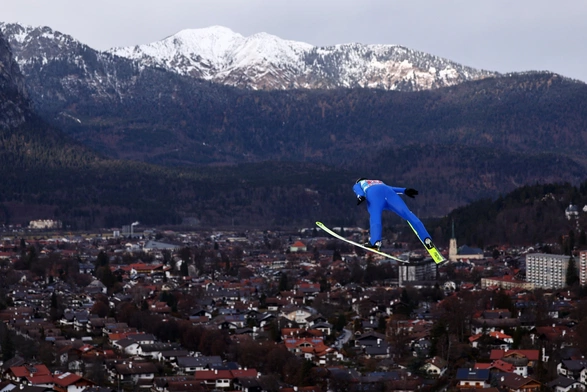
x,y
376,246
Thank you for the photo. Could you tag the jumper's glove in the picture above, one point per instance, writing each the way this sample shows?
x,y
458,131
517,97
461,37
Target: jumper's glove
x,y
410,192
360,199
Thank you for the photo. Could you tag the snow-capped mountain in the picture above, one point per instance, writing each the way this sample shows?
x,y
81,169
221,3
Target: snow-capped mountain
x,y
14,103
57,65
261,61
264,61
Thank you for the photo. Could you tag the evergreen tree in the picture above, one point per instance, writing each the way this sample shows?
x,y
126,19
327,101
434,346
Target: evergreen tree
x,y
382,324
106,276
274,333
183,268
340,322
283,283
582,238
53,300
572,276
8,348
102,259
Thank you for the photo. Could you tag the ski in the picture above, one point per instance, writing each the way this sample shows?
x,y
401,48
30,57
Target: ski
x,y
336,235
431,248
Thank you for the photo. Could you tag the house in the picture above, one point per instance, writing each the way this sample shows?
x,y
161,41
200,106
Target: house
x,y
298,246
565,384
472,378
325,328
435,366
495,339
309,290
151,246
575,369
512,382
154,350
369,339
132,342
312,349
86,268
38,375
275,304
559,335
521,359
494,319
247,384
176,383
133,372
374,345
244,373
221,379
128,346
189,365
171,356
70,382
495,367
297,314
229,321
7,386
96,287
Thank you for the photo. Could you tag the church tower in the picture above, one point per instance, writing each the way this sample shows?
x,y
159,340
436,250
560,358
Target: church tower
x,y
452,245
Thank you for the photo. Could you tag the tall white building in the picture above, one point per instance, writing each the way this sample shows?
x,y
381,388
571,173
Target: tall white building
x,y
547,271
422,270
582,266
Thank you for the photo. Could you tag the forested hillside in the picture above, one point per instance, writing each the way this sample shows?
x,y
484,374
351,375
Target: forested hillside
x,y
529,215
457,144
45,178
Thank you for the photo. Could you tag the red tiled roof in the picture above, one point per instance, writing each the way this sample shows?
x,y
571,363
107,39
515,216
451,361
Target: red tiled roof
x,y
66,379
532,355
213,374
244,373
40,379
26,371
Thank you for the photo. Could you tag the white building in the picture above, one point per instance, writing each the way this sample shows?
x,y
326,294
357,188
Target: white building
x,y
45,224
547,271
421,270
582,266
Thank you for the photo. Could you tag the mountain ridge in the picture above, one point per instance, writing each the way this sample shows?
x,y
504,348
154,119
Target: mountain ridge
x,y
264,61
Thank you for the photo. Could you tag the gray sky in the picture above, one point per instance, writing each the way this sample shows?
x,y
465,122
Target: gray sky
x,y
496,35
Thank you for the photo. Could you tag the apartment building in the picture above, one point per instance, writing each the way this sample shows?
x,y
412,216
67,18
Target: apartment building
x,y
582,267
547,271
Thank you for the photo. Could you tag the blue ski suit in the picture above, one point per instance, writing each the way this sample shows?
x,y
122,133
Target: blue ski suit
x,y
381,197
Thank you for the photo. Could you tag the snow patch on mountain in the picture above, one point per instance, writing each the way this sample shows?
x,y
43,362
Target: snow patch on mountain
x,y
264,61
260,61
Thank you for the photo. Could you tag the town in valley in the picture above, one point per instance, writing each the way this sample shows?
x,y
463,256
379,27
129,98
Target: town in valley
x,y
190,309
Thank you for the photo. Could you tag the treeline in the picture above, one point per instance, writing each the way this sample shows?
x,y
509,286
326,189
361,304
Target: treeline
x,y
73,184
83,190
177,121
457,145
529,215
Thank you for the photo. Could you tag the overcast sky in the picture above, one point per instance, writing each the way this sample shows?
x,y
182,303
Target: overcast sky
x,y
496,35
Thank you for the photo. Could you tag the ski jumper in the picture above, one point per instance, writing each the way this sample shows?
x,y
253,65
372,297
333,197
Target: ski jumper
x,y
381,197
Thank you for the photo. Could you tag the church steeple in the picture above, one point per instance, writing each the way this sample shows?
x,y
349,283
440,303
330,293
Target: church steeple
x,y
452,245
